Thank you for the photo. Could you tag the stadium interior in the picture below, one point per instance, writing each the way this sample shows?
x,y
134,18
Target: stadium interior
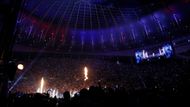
x,y
63,53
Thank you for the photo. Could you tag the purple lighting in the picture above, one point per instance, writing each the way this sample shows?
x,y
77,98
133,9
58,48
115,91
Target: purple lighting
x,y
145,27
176,18
133,32
156,19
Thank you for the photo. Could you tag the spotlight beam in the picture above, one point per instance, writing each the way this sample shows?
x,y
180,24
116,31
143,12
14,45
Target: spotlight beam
x,y
53,19
46,14
62,18
25,71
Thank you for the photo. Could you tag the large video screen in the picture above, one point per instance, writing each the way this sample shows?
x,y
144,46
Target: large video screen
x,y
165,51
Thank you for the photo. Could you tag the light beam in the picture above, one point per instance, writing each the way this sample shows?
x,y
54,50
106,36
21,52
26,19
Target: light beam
x,y
85,73
42,85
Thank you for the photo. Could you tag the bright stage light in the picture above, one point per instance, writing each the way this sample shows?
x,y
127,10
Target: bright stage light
x,y
41,88
20,66
85,73
42,85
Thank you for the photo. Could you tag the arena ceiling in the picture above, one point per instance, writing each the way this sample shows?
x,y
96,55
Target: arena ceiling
x,y
91,14
91,25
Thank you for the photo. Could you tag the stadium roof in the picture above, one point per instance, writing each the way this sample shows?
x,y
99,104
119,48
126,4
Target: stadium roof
x,y
99,25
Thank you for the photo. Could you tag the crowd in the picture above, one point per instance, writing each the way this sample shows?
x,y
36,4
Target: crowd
x,y
97,96
162,83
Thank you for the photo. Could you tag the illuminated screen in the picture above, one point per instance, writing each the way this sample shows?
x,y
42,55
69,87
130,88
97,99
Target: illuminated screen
x,y
165,51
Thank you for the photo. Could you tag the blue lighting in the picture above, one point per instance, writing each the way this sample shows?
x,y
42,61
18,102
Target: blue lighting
x,y
166,51
84,23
